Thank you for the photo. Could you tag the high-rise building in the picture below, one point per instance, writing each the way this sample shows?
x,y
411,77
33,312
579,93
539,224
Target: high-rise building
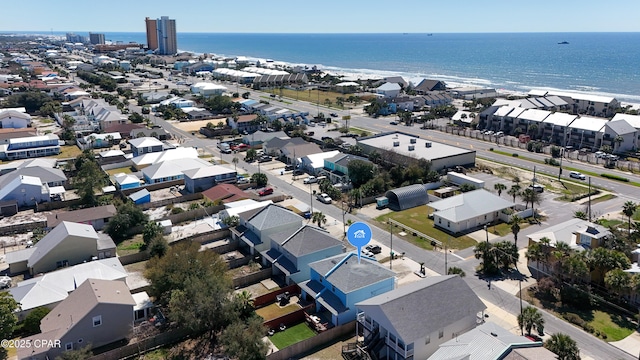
x,y
161,35
152,33
96,39
73,38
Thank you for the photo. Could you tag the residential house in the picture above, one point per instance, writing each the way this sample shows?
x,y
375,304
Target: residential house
x,y
338,283
172,170
336,168
425,86
145,145
66,245
555,128
8,134
155,97
314,163
25,190
207,89
49,176
468,210
256,139
13,119
388,90
244,123
125,181
199,179
155,132
621,136
292,154
51,288
30,147
95,141
489,341
97,216
275,145
633,120
472,92
412,321
586,132
111,157
125,130
142,196
292,252
98,312
577,233
258,223
142,161
243,209
194,113
225,193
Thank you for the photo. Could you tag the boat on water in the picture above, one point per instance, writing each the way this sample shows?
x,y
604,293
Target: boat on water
x,y
563,43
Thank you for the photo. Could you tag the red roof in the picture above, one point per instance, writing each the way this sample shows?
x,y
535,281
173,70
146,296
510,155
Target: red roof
x,y
226,193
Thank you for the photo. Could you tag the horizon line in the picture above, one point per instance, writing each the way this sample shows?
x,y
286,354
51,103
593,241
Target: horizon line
x,y
45,32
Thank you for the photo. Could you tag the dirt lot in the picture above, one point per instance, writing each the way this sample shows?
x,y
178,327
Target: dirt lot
x,y
196,125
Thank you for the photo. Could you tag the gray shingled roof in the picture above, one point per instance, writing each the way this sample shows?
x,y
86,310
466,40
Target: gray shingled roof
x,y
418,309
306,240
46,175
349,275
273,216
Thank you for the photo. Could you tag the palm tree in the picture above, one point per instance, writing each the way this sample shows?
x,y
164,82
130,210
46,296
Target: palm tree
x,y
628,209
235,161
529,318
514,191
456,271
535,253
515,227
319,218
244,302
563,346
618,281
618,140
499,187
530,196
579,214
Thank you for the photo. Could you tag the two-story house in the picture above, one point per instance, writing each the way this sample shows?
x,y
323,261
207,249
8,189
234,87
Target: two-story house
x,y
292,252
67,244
337,167
412,321
30,147
97,313
338,283
258,224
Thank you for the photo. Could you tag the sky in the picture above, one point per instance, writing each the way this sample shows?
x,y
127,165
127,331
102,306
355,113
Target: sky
x,y
325,16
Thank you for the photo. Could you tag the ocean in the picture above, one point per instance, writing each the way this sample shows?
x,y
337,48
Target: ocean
x,y
595,63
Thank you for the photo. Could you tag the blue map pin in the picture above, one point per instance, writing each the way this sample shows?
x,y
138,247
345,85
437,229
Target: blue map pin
x,y
359,235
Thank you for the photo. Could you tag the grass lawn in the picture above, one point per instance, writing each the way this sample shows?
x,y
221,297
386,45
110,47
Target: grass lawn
x,y
602,198
126,170
130,246
504,229
615,326
292,335
68,151
273,311
609,223
416,218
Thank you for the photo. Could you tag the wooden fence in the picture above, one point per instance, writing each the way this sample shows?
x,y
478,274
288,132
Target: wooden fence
x,y
269,298
289,319
252,278
54,205
140,347
21,228
134,258
320,340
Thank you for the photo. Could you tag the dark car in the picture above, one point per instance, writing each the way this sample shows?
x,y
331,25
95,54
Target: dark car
x,y
333,115
375,249
289,167
393,123
298,172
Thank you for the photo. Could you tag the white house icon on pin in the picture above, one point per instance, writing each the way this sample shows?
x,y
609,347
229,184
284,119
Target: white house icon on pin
x,y
359,234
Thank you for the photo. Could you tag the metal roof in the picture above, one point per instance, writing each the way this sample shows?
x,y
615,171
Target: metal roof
x,y
407,197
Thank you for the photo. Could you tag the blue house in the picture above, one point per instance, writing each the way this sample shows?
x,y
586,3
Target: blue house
x,y
336,168
126,181
30,147
141,197
339,282
291,252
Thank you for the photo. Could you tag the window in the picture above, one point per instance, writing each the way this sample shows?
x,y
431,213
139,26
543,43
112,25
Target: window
x,y
97,320
427,340
440,334
80,341
68,346
138,315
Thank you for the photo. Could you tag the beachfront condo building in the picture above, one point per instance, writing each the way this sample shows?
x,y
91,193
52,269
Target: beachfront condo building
x,y
161,35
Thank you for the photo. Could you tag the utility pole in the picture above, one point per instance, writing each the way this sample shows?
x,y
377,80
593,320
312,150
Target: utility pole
x,y
534,189
391,244
589,202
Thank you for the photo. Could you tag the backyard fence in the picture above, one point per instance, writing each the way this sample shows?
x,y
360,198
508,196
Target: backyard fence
x,y
142,346
21,228
252,278
321,339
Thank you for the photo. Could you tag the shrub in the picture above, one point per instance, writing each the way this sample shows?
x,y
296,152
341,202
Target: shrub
x,y
176,210
514,155
490,149
588,328
574,319
604,336
552,162
615,177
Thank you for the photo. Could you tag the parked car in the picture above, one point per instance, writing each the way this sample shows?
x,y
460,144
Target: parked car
x,y
5,282
537,188
243,180
310,180
265,158
289,167
324,198
240,147
500,134
600,154
577,175
375,249
612,157
393,123
266,191
333,115
298,172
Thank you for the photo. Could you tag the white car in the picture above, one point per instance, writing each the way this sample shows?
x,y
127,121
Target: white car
x,y
324,198
5,282
600,154
577,175
310,180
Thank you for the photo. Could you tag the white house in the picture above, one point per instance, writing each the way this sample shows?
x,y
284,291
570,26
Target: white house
x,y
621,136
12,118
388,90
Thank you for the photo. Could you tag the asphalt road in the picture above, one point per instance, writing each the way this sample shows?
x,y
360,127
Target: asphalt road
x,y
589,345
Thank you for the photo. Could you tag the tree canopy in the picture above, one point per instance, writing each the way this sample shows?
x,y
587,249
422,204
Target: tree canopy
x,y
360,171
8,319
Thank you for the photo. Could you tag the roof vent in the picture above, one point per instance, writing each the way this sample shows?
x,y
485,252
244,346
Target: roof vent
x,y
427,144
412,147
412,140
396,143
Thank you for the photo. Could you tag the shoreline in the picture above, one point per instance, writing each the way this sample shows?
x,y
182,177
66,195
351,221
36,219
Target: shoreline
x,y
502,86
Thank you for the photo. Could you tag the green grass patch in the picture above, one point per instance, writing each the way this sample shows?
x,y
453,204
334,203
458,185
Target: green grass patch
x,y
615,326
47,121
68,151
636,215
417,219
126,170
614,177
273,311
292,335
603,198
504,229
130,246
609,223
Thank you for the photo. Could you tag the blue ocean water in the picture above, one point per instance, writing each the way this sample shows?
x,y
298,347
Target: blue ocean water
x,y
598,63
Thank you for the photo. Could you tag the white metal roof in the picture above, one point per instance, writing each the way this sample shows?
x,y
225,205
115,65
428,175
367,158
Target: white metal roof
x,y
560,119
534,115
208,171
633,120
589,123
173,168
145,142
